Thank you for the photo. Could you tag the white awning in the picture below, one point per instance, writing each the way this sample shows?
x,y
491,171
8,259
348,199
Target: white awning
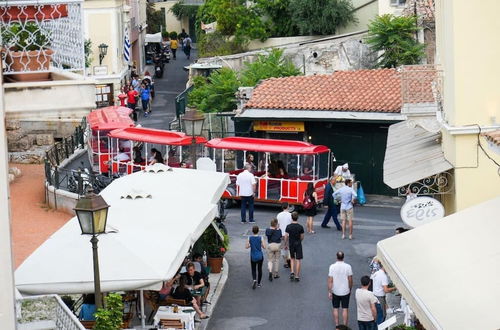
x,y
412,154
153,38
449,270
320,114
153,220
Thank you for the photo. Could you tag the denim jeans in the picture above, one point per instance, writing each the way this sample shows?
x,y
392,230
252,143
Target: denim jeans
x,y
380,313
332,212
244,201
364,325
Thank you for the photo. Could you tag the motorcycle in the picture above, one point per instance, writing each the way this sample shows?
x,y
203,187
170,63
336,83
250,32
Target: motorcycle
x,y
159,66
165,53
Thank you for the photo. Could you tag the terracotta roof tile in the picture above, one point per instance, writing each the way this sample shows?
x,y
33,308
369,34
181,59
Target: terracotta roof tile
x,y
493,137
361,90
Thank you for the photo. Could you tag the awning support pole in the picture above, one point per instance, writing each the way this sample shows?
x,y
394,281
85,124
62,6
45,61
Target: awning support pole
x,y
143,317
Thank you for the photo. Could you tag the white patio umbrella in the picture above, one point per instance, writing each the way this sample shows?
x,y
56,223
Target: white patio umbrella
x,y
153,220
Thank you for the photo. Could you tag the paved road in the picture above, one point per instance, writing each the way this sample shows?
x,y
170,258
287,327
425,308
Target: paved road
x,y
304,305
166,89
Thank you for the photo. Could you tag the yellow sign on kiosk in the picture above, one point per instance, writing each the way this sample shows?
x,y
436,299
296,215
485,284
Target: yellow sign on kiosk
x,y
278,126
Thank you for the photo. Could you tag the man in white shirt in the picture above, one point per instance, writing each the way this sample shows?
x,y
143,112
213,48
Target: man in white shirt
x,y
339,287
347,195
365,303
122,156
343,171
284,219
246,183
380,288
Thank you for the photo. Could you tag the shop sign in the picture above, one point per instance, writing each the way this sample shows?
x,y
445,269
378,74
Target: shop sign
x,y
100,70
421,210
278,126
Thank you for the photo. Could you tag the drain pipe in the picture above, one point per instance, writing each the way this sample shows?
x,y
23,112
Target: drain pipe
x,y
465,129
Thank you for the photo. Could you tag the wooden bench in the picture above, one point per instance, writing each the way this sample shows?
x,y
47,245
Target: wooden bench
x,y
88,324
172,323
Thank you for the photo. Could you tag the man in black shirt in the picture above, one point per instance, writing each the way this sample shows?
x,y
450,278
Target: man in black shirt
x,y
295,235
194,281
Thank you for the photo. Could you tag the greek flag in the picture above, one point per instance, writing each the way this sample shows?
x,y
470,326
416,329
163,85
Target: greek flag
x,y
126,47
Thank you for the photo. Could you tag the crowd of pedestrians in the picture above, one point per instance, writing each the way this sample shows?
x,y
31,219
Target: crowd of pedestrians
x,y
282,240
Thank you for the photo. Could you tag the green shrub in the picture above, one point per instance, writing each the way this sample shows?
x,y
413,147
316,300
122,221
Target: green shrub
x,y
111,317
217,92
27,37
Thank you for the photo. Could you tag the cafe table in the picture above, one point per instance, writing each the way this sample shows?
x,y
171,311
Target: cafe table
x,y
185,314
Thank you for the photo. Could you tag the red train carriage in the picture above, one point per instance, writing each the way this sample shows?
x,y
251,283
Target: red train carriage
x,y
283,168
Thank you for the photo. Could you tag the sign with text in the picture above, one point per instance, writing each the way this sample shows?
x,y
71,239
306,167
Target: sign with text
x,y
278,126
421,210
100,70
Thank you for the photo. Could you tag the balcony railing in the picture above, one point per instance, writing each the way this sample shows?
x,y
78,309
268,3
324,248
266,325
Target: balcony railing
x,y
46,312
420,84
41,35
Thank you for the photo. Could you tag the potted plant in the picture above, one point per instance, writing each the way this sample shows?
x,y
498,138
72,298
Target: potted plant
x,y
215,247
32,12
25,49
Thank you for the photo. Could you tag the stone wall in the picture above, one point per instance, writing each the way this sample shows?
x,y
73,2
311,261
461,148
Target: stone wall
x,y
27,147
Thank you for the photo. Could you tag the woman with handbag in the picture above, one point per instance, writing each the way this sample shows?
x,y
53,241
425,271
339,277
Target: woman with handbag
x,y
273,249
309,205
256,244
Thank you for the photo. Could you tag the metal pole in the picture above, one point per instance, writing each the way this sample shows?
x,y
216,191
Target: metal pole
x,y
193,152
97,279
143,317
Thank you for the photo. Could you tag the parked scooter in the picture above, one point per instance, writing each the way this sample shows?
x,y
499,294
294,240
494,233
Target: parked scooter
x,y
159,66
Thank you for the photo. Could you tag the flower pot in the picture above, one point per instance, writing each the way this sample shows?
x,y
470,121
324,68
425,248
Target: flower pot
x,y
215,264
29,63
39,13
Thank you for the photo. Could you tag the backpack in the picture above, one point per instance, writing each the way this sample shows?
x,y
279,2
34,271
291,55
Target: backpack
x,y
308,202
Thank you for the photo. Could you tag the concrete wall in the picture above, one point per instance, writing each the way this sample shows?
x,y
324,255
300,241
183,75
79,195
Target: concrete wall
x,y
321,56
62,200
276,42
105,22
365,11
171,22
385,7
469,58
54,106
7,301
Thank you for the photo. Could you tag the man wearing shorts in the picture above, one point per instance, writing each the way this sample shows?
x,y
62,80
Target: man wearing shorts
x,y
284,219
339,287
347,195
295,235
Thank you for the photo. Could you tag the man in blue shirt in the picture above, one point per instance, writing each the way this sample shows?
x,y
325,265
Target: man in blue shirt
x,y
347,196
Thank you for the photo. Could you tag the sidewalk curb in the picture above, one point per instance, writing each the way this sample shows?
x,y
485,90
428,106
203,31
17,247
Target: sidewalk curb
x,y
214,295
382,205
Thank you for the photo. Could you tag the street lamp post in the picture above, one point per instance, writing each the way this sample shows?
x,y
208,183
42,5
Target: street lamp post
x,y
193,125
92,213
103,51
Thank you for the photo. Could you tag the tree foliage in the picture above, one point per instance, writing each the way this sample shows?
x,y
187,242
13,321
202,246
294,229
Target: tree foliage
x,y
154,18
280,17
217,92
111,317
235,21
181,10
267,66
321,17
394,36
